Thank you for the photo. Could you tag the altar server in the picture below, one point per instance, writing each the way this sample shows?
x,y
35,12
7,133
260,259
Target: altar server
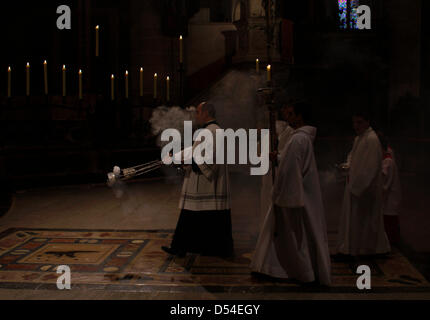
x,y
361,229
293,242
284,132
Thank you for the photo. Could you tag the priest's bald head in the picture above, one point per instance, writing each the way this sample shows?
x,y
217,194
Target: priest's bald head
x,y
205,112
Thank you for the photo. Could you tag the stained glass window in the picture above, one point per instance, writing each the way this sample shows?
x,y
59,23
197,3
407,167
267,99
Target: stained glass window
x,y
348,14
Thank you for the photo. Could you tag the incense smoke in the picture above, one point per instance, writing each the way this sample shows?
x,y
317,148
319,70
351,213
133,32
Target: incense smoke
x,y
236,100
170,118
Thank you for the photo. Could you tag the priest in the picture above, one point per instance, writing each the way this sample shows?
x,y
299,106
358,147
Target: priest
x,y
361,228
293,243
204,224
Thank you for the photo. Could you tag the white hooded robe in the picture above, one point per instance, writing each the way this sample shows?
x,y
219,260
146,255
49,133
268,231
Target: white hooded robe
x,y
284,132
361,229
293,241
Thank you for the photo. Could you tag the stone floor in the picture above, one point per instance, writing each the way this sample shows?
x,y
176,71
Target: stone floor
x,y
88,216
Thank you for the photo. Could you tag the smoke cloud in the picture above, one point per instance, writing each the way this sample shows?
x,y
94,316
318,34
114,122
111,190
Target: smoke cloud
x,y
164,117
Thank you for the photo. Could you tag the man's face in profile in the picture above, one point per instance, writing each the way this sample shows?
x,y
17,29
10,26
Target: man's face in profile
x,y
360,124
287,113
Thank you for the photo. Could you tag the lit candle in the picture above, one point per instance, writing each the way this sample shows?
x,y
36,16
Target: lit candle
x,y
45,76
155,86
126,84
80,84
141,82
181,49
27,78
269,74
257,66
112,87
9,82
97,41
64,80
168,88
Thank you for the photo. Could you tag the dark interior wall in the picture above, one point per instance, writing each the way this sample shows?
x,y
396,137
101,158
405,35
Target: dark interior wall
x,y
425,60
221,10
28,36
378,69
403,33
132,34
31,35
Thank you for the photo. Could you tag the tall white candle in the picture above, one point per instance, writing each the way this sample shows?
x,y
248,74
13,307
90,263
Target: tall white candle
x,y
126,84
155,85
45,76
27,78
168,88
80,84
97,41
181,49
64,80
141,82
112,87
9,82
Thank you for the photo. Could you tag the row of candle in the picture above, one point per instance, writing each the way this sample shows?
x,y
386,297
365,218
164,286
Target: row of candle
x,y
140,85
268,68
64,86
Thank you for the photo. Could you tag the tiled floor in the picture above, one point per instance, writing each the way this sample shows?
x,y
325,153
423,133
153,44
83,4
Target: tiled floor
x,y
91,229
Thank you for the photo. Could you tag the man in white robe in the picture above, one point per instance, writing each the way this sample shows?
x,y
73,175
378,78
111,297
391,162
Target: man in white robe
x,y
361,229
284,132
293,243
204,225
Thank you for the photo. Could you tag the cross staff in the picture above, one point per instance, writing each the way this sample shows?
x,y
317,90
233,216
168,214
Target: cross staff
x,y
268,92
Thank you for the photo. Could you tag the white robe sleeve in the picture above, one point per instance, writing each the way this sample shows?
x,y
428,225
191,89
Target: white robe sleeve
x,y
366,165
387,171
348,160
288,189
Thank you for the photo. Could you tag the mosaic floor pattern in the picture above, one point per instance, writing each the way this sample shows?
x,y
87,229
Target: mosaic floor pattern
x,y
133,261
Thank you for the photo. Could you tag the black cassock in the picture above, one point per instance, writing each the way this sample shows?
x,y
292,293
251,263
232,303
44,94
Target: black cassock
x,y
204,225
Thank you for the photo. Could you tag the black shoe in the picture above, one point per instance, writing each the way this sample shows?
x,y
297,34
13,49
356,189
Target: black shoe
x,y
173,252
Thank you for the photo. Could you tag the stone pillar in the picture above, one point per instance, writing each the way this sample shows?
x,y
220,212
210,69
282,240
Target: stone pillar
x,y
251,29
404,32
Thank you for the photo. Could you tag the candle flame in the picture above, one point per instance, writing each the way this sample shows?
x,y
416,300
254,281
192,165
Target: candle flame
x,y
28,64
97,27
155,75
180,37
44,62
64,67
168,78
126,72
269,67
257,60
141,69
80,71
8,69
112,76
